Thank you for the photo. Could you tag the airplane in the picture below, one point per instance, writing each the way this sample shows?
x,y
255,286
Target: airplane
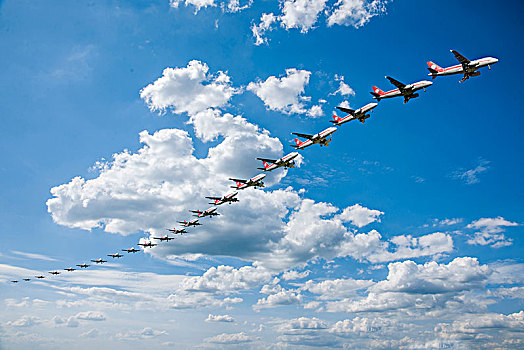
x,y
166,238
83,266
207,212
147,245
190,223
40,276
175,231
54,272
131,250
14,281
99,261
27,279
466,67
359,114
115,255
408,91
228,198
320,138
253,182
69,269
286,162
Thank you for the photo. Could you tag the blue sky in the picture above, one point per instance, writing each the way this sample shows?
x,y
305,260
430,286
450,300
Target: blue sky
x,y
118,117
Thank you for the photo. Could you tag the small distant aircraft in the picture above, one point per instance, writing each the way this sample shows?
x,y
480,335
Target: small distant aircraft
x,y
175,231
27,279
359,114
83,266
228,198
190,223
69,269
165,238
131,250
208,212
320,138
40,276
54,272
253,182
408,91
115,255
286,162
99,261
466,67
14,281
147,245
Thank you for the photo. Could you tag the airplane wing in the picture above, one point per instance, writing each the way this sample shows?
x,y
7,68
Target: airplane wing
x,y
346,110
195,211
396,83
306,136
214,198
267,160
460,58
238,180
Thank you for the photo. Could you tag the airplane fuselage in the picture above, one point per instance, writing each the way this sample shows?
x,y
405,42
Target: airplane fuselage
x,y
320,138
408,91
359,114
471,67
286,161
253,182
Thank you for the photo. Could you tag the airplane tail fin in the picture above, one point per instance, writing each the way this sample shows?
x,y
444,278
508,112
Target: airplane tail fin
x,y
434,69
298,143
377,93
336,119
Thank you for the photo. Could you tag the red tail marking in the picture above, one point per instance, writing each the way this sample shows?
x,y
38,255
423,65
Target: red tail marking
x,y
377,91
266,165
297,141
435,67
337,118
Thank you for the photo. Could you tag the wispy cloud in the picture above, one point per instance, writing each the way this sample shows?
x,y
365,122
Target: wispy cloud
x,y
33,255
470,176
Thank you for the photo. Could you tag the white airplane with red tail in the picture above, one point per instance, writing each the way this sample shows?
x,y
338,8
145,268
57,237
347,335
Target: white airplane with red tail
x,y
359,114
253,182
466,67
190,223
207,212
164,238
228,198
272,164
176,231
408,91
147,244
320,138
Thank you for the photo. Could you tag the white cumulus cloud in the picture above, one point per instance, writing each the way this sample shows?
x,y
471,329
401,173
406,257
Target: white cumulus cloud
x,y
266,21
355,13
283,94
491,232
188,89
301,14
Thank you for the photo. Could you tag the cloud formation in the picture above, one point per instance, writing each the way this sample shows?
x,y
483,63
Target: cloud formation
x,y
283,94
491,232
188,89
